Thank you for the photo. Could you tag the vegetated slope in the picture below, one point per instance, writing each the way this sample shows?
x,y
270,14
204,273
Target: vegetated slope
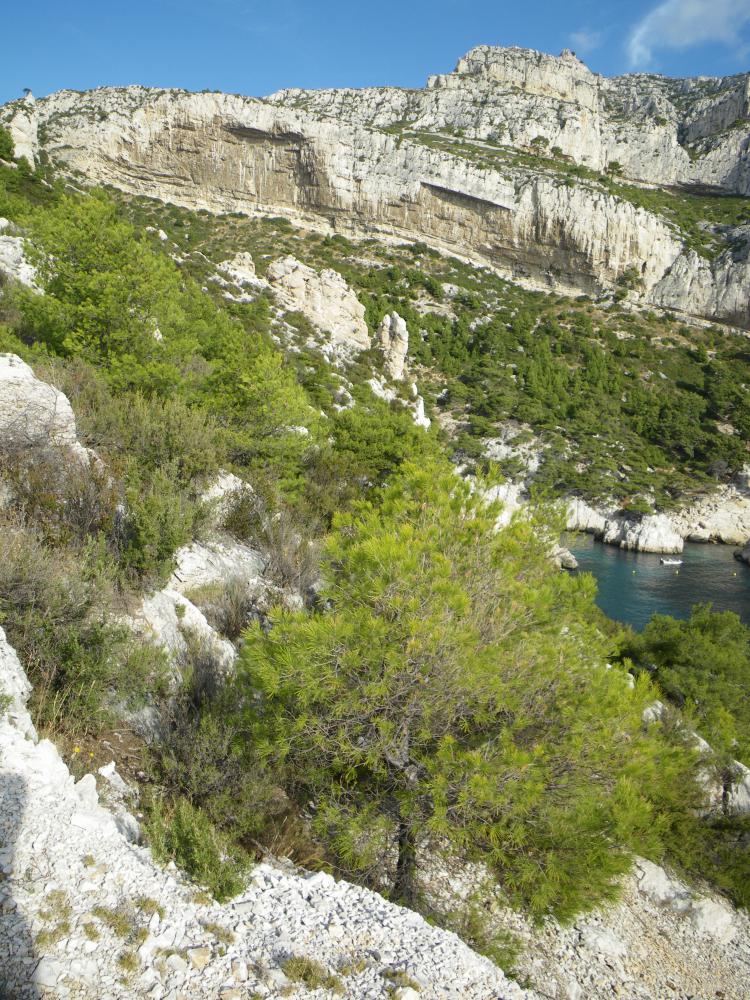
x,y
631,405
175,372
92,912
542,203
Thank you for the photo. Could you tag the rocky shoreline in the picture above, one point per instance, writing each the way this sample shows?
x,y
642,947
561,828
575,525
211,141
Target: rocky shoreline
x,y
722,517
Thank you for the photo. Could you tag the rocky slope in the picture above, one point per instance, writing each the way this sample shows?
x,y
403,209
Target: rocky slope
x,y
390,162
723,516
84,912
658,130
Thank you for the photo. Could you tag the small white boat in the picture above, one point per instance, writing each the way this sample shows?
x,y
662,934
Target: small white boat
x,y
671,562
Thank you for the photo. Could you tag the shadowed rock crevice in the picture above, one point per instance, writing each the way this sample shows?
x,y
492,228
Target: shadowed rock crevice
x,y
21,972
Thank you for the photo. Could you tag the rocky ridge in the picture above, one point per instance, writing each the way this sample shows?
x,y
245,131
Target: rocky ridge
x,y
658,130
345,161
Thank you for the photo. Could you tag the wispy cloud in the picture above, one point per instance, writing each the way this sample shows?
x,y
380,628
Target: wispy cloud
x,y
586,41
679,24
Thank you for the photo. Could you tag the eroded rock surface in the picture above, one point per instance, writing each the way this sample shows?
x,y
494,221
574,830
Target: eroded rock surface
x,y
324,298
358,162
393,341
72,881
34,414
13,262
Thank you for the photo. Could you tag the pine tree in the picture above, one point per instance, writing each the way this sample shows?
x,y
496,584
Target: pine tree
x,y
456,694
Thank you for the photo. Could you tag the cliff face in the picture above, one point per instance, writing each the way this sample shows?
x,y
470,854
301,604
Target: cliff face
x,y
660,130
387,162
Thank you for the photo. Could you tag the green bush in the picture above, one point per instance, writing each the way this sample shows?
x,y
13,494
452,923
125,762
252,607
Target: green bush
x,y
452,691
157,520
184,834
7,149
703,666
291,554
55,609
154,433
229,606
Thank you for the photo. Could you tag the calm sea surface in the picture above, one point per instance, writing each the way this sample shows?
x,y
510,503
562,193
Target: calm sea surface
x,y
635,585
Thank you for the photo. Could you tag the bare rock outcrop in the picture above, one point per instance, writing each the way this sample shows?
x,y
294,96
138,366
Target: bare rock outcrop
x,y
581,516
13,262
23,125
393,341
331,167
324,298
34,414
652,533
241,270
721,516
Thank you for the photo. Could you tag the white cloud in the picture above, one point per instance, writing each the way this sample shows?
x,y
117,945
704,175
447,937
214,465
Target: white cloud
x,y
678,24
586,41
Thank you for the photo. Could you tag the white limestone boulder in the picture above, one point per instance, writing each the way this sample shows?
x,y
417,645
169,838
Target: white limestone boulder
x,y
582,517
33,413
13,262
169,620
393,341
713,919
739,795
663,890
225,490
603,941
324,298
563,558
241,270
201,564
652,533
239,273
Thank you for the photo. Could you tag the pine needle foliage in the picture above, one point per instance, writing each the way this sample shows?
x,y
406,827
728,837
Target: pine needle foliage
x,y
453,692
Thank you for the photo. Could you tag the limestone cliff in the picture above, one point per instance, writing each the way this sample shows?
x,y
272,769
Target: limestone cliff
x,y
389,162
660,130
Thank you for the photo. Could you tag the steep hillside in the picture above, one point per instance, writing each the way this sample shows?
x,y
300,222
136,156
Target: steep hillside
x,y
285,461
519,160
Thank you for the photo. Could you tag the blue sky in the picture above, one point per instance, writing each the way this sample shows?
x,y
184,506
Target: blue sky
x,y
257,46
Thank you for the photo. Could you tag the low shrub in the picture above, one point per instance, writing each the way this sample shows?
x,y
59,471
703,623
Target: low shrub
x,y
55,609
202,759
184,834
158,519
292,555
312,974
7,148
229,607
69,501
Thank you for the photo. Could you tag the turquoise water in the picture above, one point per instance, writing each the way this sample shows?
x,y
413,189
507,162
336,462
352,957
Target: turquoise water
x,y
635,585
